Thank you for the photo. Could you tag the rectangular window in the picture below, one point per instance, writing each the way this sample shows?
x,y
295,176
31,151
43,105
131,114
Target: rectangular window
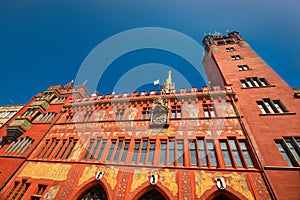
x,y
176,112
254,82
112,147
163,152
290,150
236,57
146,113
202,152
9,114
209,110
235,152
135,151
193,153
180,153
144,150
171,151
18,190
73,143
95,149
118,150
16,184
27,185
43,148
41,189
101,149
211,153
243,67
229,49
151,152
119,114
268,106
92,141
125,151
226,154
246,154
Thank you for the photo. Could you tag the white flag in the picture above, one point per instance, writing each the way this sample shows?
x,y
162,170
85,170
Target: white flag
x,y
156,82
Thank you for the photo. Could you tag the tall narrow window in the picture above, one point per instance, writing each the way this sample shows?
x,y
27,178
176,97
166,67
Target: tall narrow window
x,y
163,152
193,154
144,150
226,154
41,189
112,147
101,149
180,153
171,151
42,149
95,149
68,142
118,150
53,145
92,141
125,151
135,151
211,153
284,154
16,184
202,152
71,149
24,191
235,152
151,152
246,154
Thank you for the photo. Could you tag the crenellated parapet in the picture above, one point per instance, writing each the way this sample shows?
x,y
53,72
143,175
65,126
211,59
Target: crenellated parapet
x,y
213,40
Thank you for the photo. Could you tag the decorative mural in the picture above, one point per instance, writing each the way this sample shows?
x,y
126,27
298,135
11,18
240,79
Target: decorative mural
x,y
110,174
192,110
238,182
168,179
56,172
203,182
139,177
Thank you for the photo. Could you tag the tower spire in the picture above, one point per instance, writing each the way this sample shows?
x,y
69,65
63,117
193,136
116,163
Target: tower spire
x,y
169,87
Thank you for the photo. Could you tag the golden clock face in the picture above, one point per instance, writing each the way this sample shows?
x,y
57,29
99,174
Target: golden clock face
x,y
159,118
159,115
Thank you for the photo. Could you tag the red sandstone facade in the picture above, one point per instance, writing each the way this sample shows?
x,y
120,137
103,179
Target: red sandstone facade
x,y
238,140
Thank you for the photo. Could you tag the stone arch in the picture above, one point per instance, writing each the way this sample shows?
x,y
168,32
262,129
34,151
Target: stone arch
x,y
90,187
144,191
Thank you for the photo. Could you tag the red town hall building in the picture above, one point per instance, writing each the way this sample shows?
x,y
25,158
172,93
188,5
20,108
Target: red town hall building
x,y
238,140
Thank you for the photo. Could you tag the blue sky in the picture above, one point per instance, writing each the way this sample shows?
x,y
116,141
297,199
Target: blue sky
x,y
44,43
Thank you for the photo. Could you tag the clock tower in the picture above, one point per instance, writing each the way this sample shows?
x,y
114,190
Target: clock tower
x,y
160,109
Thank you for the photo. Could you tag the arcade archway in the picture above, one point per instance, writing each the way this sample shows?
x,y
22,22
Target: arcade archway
x,y
97,192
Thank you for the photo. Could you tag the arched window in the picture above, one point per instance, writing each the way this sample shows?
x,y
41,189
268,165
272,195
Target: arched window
x,y
152,195
96,193
221,197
